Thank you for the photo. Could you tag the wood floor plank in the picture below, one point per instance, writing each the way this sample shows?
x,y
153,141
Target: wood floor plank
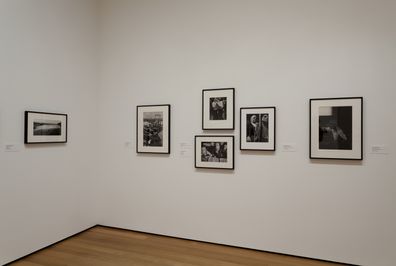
x,y
103,246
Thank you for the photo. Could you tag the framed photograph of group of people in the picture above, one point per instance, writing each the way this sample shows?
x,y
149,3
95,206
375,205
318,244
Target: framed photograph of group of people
x,y
214,152
336,129
218,113
153,128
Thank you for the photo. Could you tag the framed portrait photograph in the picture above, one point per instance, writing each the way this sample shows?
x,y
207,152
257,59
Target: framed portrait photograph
x,y
153,128
218,109
257,128
43,127
215,152
336,128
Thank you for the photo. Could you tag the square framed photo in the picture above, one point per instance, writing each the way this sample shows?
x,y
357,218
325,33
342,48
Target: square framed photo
x,y
214,152
153,128
218,109
257,128
43,127
336,128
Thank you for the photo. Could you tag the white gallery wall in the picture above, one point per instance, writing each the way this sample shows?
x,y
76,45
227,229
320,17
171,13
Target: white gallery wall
x,y
48,62
275,53
97,60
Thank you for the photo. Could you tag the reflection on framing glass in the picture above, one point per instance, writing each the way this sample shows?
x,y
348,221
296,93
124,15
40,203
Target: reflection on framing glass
x,y
336,128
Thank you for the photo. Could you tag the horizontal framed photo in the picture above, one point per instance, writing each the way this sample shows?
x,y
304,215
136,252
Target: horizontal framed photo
x,y
153,128
214,152
218,109
336,128
257,128
43,127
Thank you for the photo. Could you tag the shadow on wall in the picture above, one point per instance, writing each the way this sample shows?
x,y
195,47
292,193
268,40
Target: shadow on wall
x,y
335,162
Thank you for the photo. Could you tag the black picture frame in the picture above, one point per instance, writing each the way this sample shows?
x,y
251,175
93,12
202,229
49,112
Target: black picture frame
x,y
268,143
52,127
217,162
165,142
218,124
336,128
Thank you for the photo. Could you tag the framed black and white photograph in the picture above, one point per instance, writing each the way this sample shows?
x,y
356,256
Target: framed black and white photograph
x,y
257,128
218,109
336,128
43,127
216,152
153,129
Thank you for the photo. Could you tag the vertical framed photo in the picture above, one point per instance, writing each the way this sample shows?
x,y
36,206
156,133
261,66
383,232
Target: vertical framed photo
x,y
218,109
336,128
153,128
214,152
43,127
257,128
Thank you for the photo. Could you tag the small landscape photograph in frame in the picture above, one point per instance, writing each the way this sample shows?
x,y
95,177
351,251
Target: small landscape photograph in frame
x,y
218,109
257,128
43,127
214,152
153,128
336,128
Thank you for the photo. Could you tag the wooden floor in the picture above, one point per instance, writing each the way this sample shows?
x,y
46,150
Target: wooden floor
x,y
101,246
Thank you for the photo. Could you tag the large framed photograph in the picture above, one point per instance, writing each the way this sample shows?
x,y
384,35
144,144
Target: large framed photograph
x,y
215,152
257,128
153,128
336,128
218,108
43,127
